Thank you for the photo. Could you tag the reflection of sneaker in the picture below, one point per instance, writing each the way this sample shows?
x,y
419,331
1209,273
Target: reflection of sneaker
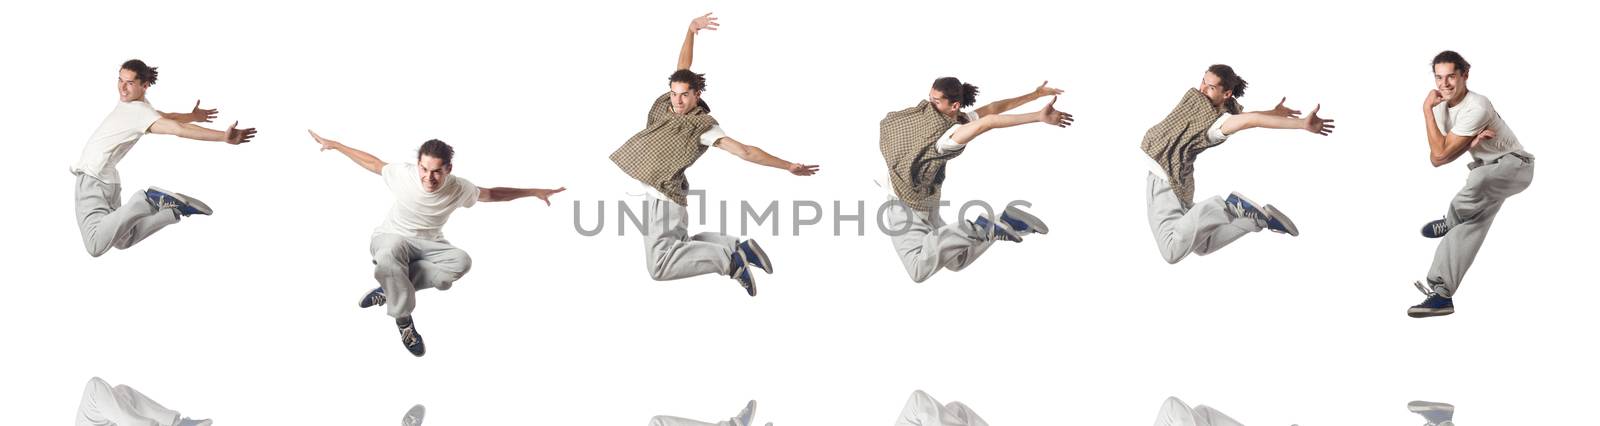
x,y
750,252
1266,216
997,231
374,298
1437,413
1436,229
409,336
1435,305
191,422
745,416
183,204
743,276
1023,222
414,416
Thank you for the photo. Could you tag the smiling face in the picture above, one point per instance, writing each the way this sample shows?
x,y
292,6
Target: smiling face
x,y
1211,86
945,106
1451,82
684,99
432,171
129,87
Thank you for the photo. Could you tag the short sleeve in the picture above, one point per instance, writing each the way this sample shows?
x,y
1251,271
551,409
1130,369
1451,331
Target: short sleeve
x,y
1214,133
395,172
947,142
466,191
710,137
146,116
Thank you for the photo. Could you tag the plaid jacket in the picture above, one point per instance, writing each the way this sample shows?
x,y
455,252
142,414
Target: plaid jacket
x,y
658,155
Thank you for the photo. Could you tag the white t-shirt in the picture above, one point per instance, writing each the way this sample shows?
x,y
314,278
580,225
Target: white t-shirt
x,y
1213,135
1472,115
709,138
127,123
421,214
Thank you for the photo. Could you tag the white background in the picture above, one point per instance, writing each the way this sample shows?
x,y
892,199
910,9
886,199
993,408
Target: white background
x,y
250,317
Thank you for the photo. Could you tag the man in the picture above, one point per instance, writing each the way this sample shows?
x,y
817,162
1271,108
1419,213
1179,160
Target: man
x,y
1207,116
1175,413
677,131
923,410
744,418
104,221
1437,413
1459,121
103,405
409,249
917,143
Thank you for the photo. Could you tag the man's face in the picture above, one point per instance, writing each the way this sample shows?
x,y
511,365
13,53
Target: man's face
x,y
1211,86
129,87
1452,84
683,98
944,106
432,172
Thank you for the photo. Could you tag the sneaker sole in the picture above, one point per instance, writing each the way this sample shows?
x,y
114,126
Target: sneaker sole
x,y
1426,406
199,207
1034,224
761,256
743,270
1425,313
1288,225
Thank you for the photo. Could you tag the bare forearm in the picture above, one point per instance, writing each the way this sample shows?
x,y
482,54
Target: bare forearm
x,y
1003,105
190,131
181,118
361,158
756,155
1439,150
508,194
968,132
686,54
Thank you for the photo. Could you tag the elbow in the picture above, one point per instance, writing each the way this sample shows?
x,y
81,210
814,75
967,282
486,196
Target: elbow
x,y
1438,161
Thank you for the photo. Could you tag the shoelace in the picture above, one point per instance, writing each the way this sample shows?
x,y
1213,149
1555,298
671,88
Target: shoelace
x,y
1238,210
1424,289
1439,227
375,299
408,335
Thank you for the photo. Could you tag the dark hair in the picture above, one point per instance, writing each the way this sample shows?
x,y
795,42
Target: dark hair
x,y
437,149
1230,80
1453,58
697,82
952,89
141,71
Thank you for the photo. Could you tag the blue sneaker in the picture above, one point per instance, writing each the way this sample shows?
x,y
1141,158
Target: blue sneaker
x,y
1436,304
1436,229
741,273
374,298
1267,216
1023,222
997,231
751,252
183,204
410,337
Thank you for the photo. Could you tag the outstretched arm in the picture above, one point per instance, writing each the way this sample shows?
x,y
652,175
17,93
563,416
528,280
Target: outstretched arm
x,y
196,115
363,159
754,154
1445,148
1048,114
686,54
1001,106
1280,117
233,135
508,194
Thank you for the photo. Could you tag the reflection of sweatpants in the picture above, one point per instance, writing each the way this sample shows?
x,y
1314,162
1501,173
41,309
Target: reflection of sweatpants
x,y
105,222
1175,413
1472,211
670,253
407,264
926,246
104,405
923,410
1202,229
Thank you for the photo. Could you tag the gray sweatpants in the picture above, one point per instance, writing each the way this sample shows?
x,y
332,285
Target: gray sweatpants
x,y
928,246
1175,413
679,421
1472,211
670,253
922,410
105,222
104,405
407,264
1202,229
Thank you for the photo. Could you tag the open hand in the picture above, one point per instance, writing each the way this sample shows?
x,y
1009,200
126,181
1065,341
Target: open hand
x,y
804,169
544,194
1045,90
238,136
1318,125
199,115
1283,111
704,22
1049,115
